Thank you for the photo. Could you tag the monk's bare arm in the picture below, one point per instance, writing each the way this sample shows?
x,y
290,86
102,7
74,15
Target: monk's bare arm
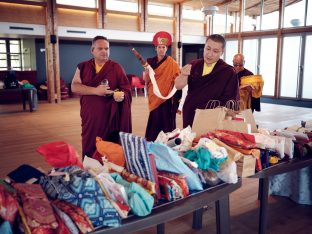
x,y
181,80
79,88
146,77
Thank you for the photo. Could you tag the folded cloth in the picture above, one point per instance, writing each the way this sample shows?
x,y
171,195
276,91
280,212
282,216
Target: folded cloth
x,y
137,158
8,205
168,160
140,201
112,151
80,188
76,214
25,172
36,207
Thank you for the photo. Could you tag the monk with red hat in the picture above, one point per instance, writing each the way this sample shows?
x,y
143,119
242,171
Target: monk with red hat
x,y
162,116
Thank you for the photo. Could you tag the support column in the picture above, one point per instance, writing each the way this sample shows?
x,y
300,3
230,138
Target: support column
x,y
176,48
52,54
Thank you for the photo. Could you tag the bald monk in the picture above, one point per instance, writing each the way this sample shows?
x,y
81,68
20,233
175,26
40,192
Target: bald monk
x,y
239,63
162,112
103,113
209,78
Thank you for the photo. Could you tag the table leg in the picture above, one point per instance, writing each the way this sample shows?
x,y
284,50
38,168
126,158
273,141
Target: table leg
x,y
223,215
31,99
161,228
263,204
24,99
198,219
260,189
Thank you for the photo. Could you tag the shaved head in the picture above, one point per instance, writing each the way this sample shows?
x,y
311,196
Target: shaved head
x,y
238,62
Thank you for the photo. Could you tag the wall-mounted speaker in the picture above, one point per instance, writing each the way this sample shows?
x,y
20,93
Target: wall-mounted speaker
x,y
53,39
179,44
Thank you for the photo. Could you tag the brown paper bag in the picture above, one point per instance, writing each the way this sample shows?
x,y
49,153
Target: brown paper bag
x,y
206,120
236,126
246,166
249,118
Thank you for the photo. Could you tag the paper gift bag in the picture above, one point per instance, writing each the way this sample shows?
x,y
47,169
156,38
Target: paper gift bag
x,y
206,120
249,118
236,126
246,166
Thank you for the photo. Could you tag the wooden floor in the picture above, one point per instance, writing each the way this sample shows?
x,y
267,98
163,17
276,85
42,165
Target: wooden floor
x,y
21,133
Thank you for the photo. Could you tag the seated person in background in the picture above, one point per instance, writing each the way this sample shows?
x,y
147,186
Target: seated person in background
x,y
250,85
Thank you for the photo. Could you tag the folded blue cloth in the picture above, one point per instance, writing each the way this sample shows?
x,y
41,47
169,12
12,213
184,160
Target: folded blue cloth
x,y
140,201
168,160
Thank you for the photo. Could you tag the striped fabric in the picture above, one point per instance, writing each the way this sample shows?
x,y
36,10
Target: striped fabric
x,y
137,158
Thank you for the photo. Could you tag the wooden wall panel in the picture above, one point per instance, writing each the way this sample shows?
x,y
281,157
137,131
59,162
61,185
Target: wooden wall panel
x,y
158,24
121,22
193,28
76,18
18,13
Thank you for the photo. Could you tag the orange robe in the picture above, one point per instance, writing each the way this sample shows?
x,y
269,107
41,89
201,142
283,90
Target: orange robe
x,y
162,112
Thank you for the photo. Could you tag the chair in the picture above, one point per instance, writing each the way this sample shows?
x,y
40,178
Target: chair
x,y
138,83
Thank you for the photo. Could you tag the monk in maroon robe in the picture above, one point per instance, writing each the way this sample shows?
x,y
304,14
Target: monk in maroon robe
x,y
208,79
104,111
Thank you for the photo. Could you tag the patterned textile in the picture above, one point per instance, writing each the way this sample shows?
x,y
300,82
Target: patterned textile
x,y
82,190
36,207
66,220
241,140
146,184
179,179
8,205
137,159
169,189
77,215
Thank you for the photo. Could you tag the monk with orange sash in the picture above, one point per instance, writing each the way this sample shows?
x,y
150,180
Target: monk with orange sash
x,y
162,115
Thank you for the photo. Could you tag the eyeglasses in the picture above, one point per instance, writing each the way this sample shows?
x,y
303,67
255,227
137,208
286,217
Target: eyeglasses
x,y
238,65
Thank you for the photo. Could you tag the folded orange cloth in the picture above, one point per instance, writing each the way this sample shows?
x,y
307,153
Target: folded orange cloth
x,y
112,151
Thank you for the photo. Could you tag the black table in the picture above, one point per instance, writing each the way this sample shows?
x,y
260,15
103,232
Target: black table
x,y
264,177
28,94
173,210
22,93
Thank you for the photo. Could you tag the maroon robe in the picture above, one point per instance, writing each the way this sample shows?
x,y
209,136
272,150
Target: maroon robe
x,y
163,118
101,115
221,84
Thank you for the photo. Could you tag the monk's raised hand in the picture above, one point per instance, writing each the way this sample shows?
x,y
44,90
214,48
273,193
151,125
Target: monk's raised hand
x,y
186,70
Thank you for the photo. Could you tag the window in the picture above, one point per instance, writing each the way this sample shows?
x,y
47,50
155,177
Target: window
x,y
307,69
290,66
162,9
267,64
294,14
252,16
123,5
220,21
309,14
250,51
231,48
84,3
3,55
10,54
193,14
